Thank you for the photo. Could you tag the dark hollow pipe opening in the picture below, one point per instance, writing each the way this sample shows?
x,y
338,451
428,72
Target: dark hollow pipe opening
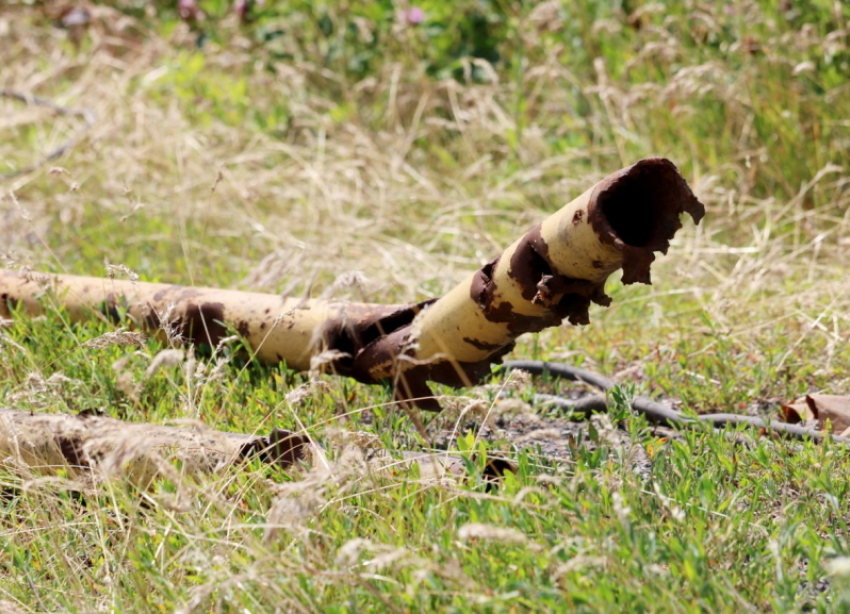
x,y
642,204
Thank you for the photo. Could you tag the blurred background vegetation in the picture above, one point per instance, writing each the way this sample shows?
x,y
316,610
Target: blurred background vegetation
x,y
748,96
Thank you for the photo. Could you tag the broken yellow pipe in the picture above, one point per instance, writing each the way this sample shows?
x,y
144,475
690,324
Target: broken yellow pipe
x,y
550,274
277,328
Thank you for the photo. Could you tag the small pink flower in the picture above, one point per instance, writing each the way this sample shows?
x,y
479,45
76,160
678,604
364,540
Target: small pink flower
x,y
414,16
243,8
187,9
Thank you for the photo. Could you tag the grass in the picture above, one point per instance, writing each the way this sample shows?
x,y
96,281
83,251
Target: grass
x,y
280,164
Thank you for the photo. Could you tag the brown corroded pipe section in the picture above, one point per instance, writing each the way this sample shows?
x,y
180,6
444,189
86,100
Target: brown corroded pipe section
x,y
89,441
552,273
91,444
278,329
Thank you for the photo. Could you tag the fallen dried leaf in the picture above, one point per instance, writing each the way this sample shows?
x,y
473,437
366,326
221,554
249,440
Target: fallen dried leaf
x,y
830,412
796,412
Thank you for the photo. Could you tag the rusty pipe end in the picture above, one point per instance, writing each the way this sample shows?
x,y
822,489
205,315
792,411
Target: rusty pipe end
x,y
638,210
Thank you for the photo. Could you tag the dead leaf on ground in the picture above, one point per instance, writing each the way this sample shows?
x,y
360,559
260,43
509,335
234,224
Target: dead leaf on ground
x,y
830,411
